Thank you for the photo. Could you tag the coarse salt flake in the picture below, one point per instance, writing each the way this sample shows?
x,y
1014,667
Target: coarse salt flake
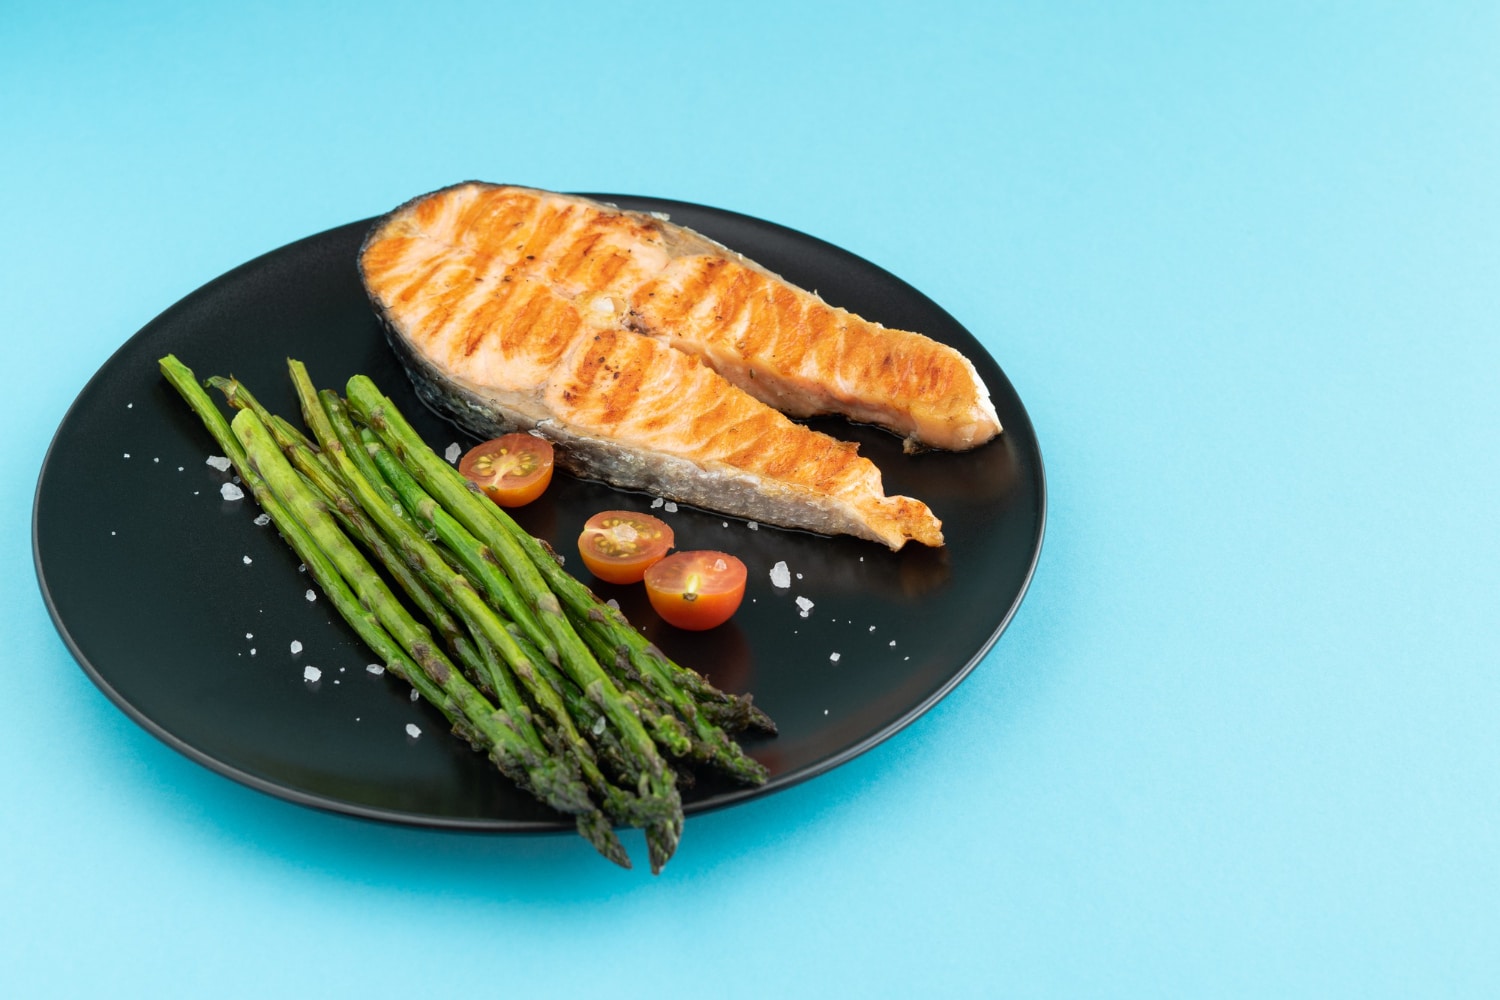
x,y
127,454
804,604
229,491
375,668
296,647
218,462
263,520
249,635
453,453
670,507
893,642
414,695
753,526
657,503
247,560
311,674
311,595
781,576
834,657
413,730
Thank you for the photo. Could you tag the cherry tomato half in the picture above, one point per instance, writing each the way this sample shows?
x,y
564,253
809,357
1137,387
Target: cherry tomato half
x,y
512,470
696,590
619,545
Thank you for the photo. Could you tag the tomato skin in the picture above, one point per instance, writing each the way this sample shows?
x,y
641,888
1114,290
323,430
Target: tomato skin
x,y
618,546
696,590
513,469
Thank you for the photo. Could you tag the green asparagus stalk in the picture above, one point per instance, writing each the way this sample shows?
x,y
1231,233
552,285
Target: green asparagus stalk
x,y
318,471
413,659
577,661
641,807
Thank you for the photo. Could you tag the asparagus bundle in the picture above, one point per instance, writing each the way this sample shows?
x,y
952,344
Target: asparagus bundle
x,y
564,696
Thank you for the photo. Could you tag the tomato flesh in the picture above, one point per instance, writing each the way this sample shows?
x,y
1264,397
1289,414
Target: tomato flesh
x,y
512,470
696,590
618,546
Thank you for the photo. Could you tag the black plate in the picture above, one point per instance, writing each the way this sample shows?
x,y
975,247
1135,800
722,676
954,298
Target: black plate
x,y
144,566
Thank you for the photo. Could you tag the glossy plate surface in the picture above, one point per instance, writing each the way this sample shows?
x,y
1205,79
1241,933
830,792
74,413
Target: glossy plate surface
x,y
185,612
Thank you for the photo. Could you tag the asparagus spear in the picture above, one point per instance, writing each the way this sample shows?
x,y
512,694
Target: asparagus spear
x,y
434,474
304,457
319,543
478,666
641,808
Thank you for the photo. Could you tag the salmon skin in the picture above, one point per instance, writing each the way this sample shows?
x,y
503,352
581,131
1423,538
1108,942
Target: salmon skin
x,y
513,308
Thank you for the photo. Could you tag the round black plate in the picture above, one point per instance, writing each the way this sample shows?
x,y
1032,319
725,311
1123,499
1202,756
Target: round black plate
x,y
183,610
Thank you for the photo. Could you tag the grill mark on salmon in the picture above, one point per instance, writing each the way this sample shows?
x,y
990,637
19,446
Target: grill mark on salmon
x,y
513,308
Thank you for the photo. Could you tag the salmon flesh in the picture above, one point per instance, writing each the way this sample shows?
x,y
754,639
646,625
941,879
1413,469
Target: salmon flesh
x,y
655,359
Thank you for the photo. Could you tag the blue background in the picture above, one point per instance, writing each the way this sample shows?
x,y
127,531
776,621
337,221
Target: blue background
x,y
1241,738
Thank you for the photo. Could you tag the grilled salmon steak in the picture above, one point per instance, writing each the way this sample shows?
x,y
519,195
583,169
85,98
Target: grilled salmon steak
x,y
515,308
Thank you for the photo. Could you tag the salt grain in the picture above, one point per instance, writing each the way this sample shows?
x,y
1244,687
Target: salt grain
x,y
311,674
217,461
127,454
893,642
598,727
753,526
804,604
249,635
296,647
872,628
263,520
670,507
247,560
412,730
834,657
414,695
453,452
375,668
229,491
657,503
311,594
781,576
613,603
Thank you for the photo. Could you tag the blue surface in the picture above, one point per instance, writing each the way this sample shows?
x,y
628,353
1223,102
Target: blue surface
x,y
1244,269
